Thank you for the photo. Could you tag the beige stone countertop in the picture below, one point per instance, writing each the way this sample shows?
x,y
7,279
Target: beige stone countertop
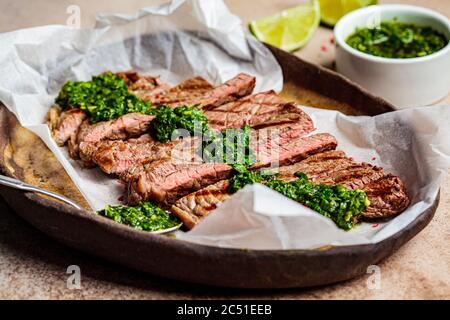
x,y
33,266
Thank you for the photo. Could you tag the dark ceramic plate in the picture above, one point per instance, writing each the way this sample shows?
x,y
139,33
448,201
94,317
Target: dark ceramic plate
x,y
24,156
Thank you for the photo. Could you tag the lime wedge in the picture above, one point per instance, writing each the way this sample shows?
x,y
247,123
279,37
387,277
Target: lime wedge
x,y
290,29
333,10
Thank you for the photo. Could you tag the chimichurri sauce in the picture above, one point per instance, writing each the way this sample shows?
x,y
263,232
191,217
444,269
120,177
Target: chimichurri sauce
x,y
105,97
398,40
341,205
145,216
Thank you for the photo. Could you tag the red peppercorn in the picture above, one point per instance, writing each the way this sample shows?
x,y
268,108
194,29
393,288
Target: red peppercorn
x,y
121,198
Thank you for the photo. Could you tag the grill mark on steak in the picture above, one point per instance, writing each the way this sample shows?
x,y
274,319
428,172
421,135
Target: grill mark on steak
x,y
166,181
197,91
385,191
259,111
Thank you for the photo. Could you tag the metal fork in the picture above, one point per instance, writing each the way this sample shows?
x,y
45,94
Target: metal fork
x,y
17,184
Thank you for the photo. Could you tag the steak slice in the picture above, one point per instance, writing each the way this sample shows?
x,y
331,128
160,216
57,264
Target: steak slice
x,y
128,126
165,181
387,197
197,91
191,209
385,191
238,87
64,124
147,88
116,157
194,89
259,111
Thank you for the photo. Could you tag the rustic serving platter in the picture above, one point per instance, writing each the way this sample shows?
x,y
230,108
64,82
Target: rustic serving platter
x,y
24,156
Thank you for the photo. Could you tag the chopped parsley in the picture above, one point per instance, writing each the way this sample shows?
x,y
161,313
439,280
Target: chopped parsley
x,y
103,98
397,40
169,121
145,216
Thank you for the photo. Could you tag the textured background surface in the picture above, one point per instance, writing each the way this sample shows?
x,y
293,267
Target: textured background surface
x,y
33,266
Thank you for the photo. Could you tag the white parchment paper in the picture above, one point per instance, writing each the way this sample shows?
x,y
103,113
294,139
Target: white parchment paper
x,y
201,37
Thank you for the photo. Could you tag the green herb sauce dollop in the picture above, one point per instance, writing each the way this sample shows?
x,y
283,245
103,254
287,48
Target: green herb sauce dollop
x,y
231,146
145,216
103,98
341,205
398,40
169,120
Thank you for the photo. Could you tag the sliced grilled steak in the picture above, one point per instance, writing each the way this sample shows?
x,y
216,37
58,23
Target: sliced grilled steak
x,y
259,111
238,87
131,125
282,152
387,197
299,124
115,157
166,181
128,126
88,150
146,87
64,124
198,91
385,191
194,89
191,209
67,123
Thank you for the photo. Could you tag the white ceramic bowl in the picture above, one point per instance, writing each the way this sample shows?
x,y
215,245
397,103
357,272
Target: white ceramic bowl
x,y
404,82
